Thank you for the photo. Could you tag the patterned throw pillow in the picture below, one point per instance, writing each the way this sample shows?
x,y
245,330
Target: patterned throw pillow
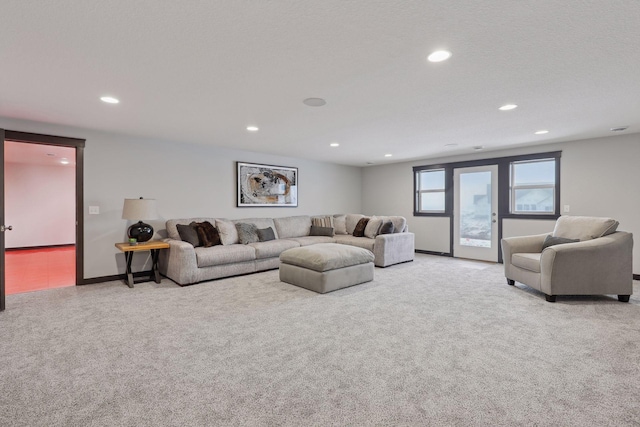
x,y
358,231
247,233
266,234
322,221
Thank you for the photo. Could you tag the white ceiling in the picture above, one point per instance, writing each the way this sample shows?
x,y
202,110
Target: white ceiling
x,y
201,71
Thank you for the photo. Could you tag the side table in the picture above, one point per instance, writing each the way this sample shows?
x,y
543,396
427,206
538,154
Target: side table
x,y
154,246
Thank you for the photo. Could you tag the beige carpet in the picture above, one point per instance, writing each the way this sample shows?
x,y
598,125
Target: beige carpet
x,y
435,342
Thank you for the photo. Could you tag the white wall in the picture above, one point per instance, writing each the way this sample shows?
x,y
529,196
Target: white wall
x,y
186,180
598,178
40,205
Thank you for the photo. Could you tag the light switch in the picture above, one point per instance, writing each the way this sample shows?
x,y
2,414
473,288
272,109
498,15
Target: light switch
x,y
94,210
567,208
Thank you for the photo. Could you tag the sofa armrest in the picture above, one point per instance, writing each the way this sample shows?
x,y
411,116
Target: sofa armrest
x,y
519,244
179,262
393,248
599,266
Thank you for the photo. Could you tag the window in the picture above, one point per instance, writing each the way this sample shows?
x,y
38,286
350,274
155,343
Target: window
x,y
430,191
533,186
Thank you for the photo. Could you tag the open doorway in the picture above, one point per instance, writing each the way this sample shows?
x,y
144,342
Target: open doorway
x,y
40,197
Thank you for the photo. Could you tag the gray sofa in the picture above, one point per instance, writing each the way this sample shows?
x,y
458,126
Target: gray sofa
x,y
185,264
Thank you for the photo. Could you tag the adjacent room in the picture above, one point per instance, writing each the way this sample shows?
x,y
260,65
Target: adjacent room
x,y
309,213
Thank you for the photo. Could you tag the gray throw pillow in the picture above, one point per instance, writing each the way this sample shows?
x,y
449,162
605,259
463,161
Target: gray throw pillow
x,y
247,233
386,228
266,234
188,234
552,241
321,231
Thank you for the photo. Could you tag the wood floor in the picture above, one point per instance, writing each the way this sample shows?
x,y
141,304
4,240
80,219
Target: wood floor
x,y
30,270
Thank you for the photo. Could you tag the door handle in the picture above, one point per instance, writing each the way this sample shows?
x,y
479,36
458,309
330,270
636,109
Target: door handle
x,y
3,228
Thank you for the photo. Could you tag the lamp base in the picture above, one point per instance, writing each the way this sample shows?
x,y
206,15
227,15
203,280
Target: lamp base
x,y
140,231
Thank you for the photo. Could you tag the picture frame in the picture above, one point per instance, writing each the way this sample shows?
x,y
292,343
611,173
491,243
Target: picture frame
x,y
261,185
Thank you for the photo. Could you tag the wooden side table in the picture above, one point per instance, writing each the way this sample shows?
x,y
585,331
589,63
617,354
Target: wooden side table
x,y
154,246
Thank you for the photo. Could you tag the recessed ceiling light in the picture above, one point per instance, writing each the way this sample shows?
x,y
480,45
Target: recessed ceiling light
x,y
314,102
109,100
619,128
388,155
478,147
64,161
439,55
334,144
508,107
541,132
252,128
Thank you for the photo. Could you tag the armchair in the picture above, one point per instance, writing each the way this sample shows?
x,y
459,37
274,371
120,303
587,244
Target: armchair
x,y
599,263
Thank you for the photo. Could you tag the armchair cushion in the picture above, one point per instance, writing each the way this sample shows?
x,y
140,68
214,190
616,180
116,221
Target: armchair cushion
x,y
584,227
552,241
528,261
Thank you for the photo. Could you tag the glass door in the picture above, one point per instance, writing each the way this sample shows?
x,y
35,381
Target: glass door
x,y
475,210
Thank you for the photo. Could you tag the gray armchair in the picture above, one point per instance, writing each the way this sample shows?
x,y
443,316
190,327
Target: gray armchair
x,y
599,261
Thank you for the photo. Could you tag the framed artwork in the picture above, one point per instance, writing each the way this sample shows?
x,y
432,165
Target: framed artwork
x,y
267,185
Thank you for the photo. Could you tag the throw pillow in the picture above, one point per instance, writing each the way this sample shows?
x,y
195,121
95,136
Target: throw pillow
x,y
188,234
228,232
247,233
373,227
386,227
322,221
266,234
552,241
340,224
358,231
584,227
352,221
207,234
321,231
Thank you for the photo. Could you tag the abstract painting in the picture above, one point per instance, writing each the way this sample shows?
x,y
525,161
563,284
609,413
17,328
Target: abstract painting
x,y
266,185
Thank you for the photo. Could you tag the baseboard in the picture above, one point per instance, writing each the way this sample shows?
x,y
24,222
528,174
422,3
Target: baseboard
x,y
420,251
26,248
102,279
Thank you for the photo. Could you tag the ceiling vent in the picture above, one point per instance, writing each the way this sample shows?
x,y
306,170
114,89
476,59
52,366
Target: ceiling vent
x,y
619,128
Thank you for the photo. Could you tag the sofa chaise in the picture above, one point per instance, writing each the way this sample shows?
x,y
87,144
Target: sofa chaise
x,y
185,264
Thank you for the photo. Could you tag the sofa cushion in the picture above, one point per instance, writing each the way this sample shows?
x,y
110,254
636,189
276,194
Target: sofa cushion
x,y
386,227
272,248
292,226
352,221
527,261
360,226
247,233
312,240
188,234
266,234
584,227
373,227
228,232
221,255
361,242
321,231
207,234
552,241
340,224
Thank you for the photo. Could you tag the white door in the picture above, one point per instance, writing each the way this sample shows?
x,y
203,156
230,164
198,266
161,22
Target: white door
x,y
475,210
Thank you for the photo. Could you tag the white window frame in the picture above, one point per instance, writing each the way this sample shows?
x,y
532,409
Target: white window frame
x,y
420,191
513,188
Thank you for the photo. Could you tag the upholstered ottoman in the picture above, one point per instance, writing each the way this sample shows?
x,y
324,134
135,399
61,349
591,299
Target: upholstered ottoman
x,y
326,267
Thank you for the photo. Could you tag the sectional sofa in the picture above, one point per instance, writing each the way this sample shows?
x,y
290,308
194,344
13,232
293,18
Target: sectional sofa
x,y
185,264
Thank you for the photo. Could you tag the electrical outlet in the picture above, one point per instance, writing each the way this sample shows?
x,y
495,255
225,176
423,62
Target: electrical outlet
x,y
567,208
94,210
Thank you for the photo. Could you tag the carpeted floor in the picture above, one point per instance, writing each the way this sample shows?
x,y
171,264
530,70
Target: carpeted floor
x,y
438,341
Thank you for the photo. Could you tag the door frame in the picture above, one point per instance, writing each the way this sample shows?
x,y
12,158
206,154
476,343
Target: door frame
x,y
35,138
494,202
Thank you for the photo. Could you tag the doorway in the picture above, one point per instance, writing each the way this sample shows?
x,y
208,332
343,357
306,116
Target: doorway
x,y
475,233
43,144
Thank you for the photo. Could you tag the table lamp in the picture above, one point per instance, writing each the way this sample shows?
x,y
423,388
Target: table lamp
x,y
140,209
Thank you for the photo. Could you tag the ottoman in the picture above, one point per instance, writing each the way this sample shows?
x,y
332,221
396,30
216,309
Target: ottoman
x,y
326,267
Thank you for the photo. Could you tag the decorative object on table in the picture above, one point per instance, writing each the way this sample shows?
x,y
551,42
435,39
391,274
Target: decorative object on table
x,y
266,185
133,241
138,210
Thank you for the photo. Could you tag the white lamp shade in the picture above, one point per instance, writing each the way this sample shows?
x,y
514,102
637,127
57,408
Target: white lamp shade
x,y
139,209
